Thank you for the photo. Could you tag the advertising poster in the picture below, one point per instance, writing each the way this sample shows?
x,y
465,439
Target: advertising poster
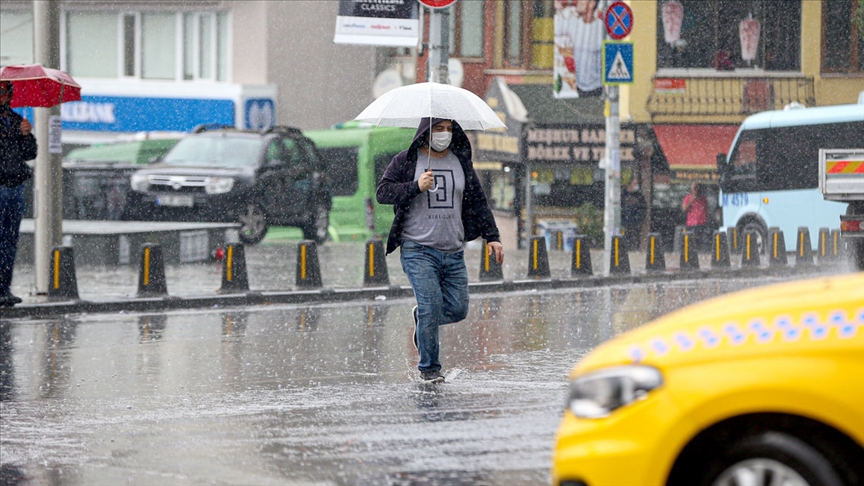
x,y
390,23
579,35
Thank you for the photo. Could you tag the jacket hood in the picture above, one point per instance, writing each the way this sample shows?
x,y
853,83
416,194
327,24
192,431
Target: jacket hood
x,y
459,145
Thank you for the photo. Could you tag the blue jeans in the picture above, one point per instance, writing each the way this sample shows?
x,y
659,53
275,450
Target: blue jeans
x,y
440,283
11,212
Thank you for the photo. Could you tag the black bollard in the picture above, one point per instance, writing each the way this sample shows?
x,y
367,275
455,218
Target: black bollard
x,y
151,275
720,251
655,260
64,285
234,275
776,247
581,262
734,240
620,262
749,250
375,268
538,260
489,268
823,248
803,249
689,259
308,267
838,246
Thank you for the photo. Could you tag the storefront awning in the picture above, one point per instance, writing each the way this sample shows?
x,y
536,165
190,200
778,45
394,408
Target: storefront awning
x,y
694,146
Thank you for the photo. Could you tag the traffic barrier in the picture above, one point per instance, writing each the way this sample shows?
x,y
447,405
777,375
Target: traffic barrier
x,y
620,262
655,260
234,275
720,251
749,250
308,267
734,240
151,274
375,267
689,254
803,250
581,262
64,285
838,246
776,247
490,269
538,260
827,250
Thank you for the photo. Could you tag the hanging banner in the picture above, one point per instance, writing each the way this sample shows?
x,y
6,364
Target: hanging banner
x,y
579,34
390,23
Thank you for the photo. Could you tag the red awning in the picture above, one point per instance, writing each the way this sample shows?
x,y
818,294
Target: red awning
x,y
694,146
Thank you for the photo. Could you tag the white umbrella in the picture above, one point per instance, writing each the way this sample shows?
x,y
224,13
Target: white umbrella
x,y
407,105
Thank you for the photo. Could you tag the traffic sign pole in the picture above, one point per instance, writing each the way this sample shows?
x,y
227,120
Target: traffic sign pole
x,y
439,40
616,25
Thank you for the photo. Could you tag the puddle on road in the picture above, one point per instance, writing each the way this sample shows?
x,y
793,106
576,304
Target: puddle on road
x,y
305,395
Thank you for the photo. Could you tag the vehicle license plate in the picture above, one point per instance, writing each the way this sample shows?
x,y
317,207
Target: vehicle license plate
x,y
187,201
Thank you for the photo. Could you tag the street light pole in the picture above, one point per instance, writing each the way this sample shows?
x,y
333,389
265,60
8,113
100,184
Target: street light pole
x,y
48,176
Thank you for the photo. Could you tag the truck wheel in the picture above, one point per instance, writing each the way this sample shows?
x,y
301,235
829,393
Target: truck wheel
x,y
771,458
317,226
253,224
858,253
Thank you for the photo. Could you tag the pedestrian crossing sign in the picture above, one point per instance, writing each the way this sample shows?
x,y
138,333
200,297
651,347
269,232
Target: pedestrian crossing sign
x,y
617,63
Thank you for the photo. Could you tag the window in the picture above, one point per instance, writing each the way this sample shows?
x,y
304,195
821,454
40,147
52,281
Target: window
x,y
146,45
696,34
842,40
467,39
158,41
342,161
786,158
16,37
92,44
513,33
542,33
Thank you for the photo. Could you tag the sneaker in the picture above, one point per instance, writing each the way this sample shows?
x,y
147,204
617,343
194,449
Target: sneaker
x,y
414,337
432,376
9,300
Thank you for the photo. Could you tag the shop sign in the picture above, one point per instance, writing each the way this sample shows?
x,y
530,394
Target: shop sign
x,y
136,114
574,144
377,22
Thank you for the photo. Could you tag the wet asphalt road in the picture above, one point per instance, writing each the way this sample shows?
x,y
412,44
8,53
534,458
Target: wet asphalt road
x,y
324,394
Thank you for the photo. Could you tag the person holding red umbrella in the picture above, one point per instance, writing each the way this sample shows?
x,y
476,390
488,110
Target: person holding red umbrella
x,y
17,145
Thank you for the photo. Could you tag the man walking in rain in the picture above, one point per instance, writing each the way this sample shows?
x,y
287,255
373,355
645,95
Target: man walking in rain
x,y
439,204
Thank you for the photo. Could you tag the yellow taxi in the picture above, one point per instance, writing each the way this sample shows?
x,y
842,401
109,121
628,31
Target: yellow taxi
x,y
760,387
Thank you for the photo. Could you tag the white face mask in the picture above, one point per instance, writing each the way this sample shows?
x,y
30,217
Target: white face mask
x,y
441,140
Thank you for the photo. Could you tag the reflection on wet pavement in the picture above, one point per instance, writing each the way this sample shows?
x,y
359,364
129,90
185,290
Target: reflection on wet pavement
x,y
305,395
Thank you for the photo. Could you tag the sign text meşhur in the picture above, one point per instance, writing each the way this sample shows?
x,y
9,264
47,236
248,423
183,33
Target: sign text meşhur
x,y
576,144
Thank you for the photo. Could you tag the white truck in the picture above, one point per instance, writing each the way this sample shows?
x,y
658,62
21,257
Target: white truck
x,y
841,178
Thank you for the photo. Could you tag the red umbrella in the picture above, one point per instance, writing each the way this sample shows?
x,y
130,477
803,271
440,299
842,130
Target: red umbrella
x,y
34,85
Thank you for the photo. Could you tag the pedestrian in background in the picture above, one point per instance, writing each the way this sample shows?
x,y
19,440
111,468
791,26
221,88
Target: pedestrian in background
x,y
439,204
695,206
17,145
633,210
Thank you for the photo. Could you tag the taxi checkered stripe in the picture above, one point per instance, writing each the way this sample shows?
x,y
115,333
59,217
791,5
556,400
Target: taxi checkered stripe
x,y
733,334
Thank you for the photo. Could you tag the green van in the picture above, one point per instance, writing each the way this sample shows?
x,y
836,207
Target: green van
x,y
356,155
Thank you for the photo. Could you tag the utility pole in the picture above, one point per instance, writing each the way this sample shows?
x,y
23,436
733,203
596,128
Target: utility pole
x,y
437,70
48,176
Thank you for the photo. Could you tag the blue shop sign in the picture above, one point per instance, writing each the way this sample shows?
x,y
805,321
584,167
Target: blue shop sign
x,y
128,114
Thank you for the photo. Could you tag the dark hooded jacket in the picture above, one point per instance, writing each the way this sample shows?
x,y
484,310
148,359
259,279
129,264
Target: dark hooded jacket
x,y
15,149
398,187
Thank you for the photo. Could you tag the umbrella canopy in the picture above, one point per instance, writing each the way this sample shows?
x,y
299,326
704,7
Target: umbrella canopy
x,y
38,86
406,105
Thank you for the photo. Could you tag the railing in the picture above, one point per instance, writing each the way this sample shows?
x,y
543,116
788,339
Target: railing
x,y
727,96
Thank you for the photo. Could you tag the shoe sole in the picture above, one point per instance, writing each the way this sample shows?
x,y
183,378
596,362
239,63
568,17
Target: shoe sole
x,y
414,334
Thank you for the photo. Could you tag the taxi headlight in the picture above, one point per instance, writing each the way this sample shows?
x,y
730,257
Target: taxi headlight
x,y
598,394
219,185
139,182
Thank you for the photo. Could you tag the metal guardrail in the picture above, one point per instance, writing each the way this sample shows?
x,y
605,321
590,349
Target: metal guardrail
x,y
729,96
